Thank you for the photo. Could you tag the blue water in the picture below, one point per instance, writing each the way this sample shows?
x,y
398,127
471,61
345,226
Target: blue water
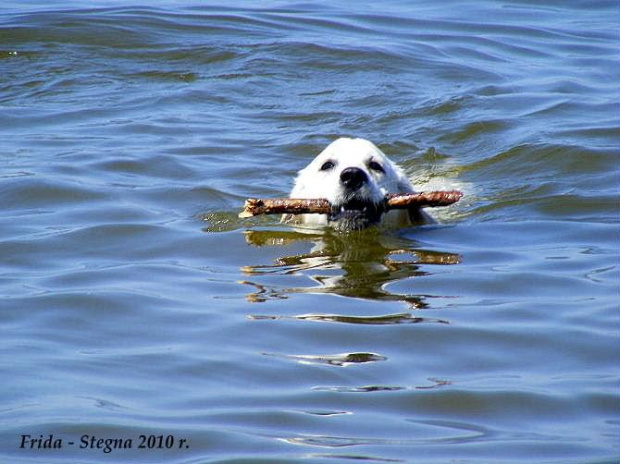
x,y
134,302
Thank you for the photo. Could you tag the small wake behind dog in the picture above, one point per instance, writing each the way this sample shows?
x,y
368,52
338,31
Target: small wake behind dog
x,y
352,185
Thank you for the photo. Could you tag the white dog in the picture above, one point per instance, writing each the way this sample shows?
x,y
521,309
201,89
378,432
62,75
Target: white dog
x,y
354,175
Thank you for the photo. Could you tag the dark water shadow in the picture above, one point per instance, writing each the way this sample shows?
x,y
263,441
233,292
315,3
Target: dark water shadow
x,y
339,360
355,265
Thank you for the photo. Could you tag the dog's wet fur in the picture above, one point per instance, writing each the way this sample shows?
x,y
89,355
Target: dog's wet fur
x,y
354,176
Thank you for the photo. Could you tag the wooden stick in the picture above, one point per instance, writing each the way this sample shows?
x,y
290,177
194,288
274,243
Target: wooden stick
x,y
421,200
255,206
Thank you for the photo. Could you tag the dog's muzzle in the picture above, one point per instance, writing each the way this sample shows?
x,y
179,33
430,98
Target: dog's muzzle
x,y
356,214
356,211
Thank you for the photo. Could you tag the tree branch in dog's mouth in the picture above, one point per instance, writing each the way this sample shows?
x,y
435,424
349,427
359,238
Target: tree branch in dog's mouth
x,y
255,206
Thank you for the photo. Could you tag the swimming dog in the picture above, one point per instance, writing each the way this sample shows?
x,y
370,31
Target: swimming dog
x,y
354,176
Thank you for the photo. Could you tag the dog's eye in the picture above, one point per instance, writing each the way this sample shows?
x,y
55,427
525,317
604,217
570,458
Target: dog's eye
x,y
376,166
327,165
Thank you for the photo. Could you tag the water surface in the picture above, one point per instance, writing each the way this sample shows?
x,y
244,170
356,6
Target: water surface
x,y
135,302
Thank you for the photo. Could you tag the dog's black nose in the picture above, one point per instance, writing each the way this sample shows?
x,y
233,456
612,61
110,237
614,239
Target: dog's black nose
x,y
353,178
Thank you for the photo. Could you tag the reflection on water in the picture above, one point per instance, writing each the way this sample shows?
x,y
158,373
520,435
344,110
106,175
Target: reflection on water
x,y
339,360
434,383
400,318
357,265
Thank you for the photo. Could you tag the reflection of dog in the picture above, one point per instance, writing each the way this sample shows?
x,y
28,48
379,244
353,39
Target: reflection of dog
x,y
352,265
354,175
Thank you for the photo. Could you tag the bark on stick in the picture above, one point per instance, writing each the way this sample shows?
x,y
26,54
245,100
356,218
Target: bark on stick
x,y
255,206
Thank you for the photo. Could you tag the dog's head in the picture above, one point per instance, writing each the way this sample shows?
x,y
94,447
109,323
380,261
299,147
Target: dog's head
x,y
354,175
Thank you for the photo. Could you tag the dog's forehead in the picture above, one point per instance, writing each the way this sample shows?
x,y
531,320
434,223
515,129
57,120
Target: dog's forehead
x,y
351,152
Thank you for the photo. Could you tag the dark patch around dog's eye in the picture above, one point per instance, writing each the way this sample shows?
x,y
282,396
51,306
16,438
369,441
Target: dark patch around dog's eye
x,y
376,166
327,165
